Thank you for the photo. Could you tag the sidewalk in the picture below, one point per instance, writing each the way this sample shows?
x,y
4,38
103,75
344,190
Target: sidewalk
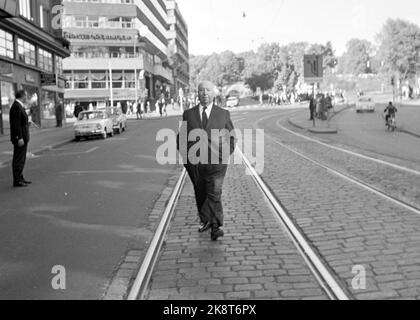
x,y
41,140
170,112
301,121
255,260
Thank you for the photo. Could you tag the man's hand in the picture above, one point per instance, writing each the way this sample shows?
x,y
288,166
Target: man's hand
x,y
21,143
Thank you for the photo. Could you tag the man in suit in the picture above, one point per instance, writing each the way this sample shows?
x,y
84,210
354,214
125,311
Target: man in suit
x,y
208,174
19,135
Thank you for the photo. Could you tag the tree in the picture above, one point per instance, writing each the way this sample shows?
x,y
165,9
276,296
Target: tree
x,y
357,59
399,48
264,81
232,68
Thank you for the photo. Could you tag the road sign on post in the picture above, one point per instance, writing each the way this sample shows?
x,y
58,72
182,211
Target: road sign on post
x,y
313,66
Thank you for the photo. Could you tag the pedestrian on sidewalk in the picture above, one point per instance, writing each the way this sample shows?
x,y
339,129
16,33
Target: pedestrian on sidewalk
x,y
59,110
139,109
77,109
19,135
207,176
161,104
312,108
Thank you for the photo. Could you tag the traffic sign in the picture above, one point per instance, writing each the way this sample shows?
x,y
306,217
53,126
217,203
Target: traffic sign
x,y
313,68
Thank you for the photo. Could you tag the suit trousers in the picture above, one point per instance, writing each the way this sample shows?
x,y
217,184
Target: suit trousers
x,y
19,160
208,181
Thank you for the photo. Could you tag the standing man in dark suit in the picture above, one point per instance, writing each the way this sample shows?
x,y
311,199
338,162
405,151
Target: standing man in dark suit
x,y
208,175
19,135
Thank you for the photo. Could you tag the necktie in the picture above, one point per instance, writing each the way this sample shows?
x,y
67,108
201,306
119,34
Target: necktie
x,y
205,119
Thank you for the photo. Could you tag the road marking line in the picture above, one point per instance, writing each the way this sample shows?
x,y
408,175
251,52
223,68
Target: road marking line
x,y
395,166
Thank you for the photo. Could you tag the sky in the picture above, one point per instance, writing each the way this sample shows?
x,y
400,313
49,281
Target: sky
x,y
219,25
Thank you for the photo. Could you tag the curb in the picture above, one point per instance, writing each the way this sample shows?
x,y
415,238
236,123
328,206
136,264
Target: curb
x,y
156,118
40,151
313,130
410,133
125,272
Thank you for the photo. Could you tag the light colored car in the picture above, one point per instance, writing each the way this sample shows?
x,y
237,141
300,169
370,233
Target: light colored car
x,y
365,104
93,124
232,102
119,120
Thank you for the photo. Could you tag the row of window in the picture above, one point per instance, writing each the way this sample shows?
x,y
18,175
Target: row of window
x,y
100,79
98,22
27,53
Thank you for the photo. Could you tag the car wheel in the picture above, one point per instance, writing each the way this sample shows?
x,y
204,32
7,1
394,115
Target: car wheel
x,y
118,131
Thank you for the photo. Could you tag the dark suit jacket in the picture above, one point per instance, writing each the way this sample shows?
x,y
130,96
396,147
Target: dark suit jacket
x,y
19,124
219,120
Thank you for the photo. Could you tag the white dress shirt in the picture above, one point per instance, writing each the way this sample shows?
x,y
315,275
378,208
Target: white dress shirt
x,y
208,111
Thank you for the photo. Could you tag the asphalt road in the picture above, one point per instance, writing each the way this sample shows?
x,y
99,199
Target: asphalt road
x,y
89,203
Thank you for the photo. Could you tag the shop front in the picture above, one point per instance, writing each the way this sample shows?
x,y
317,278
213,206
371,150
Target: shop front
x,y
52,94
12,79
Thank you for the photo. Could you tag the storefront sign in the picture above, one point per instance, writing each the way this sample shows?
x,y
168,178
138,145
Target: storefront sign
x,y
48,79
97,37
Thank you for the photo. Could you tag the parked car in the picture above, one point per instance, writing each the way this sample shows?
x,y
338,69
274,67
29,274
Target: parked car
x,y
93,124
119,120
365,104
232,102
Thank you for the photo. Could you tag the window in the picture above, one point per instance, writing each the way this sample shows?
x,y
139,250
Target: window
x,y
26,52
58,65
6,45
117,79
45,60
81,80
69,80
130,80
99,79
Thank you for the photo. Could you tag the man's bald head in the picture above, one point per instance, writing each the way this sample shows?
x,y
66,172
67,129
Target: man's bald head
x,y
206,93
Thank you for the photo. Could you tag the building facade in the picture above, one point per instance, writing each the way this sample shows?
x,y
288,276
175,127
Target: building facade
x,y
179,49
119,52
31,55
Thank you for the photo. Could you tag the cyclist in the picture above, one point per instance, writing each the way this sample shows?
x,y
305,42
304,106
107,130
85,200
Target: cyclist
x,y
391,110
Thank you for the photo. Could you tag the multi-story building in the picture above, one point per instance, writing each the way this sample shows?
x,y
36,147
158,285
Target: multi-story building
x,y
178,44
31,54
118,51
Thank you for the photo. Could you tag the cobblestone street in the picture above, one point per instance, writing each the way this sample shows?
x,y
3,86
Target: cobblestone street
x,y
256,259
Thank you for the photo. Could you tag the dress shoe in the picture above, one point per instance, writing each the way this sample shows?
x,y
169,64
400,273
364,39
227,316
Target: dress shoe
x,y
204,227
20,185
217,233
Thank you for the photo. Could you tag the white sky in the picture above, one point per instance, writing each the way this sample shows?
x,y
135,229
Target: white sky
x,y
218,25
